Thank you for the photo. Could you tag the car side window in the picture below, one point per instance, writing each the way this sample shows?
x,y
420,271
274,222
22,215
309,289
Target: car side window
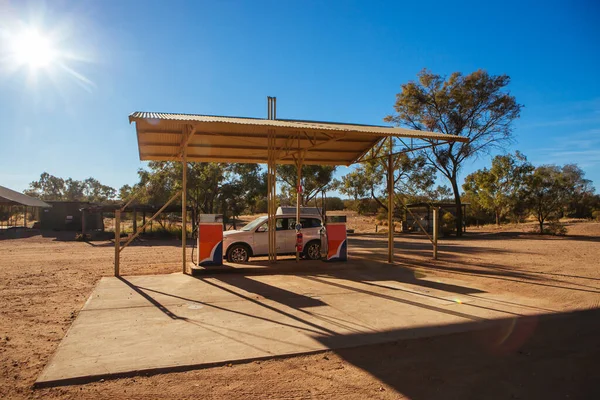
x,y
291,224
279,225
314,223
306,223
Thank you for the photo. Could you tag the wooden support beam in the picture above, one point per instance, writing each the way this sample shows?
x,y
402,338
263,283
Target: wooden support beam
x,y
416,220
436,215
390,182
184,210
117,241
298,194
272,197
131,237
134,220
409,150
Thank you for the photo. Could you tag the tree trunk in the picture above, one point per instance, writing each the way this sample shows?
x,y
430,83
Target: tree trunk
x,y
541,221
497,218
457,201
378,201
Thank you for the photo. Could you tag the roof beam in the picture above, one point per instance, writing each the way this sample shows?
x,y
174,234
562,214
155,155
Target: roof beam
x,y
368,139
229,147
248,160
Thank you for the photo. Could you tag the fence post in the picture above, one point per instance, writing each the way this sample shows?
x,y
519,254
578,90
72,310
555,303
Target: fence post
x,y
117,240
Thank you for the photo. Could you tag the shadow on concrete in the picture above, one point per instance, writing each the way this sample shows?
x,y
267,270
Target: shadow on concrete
x,y
269,292
142,292
408,277
368,260
546,356
299,302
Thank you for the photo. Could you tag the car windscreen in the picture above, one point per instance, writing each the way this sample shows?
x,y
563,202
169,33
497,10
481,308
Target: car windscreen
x,y
252,225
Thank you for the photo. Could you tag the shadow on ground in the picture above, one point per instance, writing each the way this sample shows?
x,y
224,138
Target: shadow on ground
x,y
548,356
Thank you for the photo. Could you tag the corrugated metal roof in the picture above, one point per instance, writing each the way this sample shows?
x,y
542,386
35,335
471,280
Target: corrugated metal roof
x,y
290,123
11,197
244,140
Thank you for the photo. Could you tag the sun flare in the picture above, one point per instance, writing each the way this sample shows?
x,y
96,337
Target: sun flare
x,y
32,49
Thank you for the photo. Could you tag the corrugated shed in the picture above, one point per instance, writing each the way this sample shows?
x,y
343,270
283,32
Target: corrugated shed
x,y
11,197
235,139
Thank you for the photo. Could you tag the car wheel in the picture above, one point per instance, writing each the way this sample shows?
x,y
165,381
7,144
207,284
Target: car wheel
x,y
238,253
312,251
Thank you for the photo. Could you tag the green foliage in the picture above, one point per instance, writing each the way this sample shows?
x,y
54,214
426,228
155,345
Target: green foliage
x,y
412,177
476,214
448,223
382,215
582,199
596,215
476,106
50,187
334,204
365,206
230,189
555,228
498,189
315,179
331,204
550,189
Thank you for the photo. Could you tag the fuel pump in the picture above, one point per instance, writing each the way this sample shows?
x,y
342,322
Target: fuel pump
x,y
210,240
336,244
299,237
323,237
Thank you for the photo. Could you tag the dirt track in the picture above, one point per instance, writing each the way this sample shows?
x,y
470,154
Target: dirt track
x,y
45,281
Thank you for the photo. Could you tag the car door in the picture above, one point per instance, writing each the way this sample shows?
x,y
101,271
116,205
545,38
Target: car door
x,y
288,236
261,237
310,228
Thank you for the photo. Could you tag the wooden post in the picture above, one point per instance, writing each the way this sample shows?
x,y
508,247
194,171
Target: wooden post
x,y
83,223
144,219
272,197
390,178
134,220
298,197
25,218
436,213
184,209
117,240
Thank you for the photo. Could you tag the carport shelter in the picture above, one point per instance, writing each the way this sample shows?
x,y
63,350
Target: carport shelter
x,y
203,138
10,198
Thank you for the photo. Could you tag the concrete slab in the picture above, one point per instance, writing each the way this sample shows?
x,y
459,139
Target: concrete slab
x,y
175,322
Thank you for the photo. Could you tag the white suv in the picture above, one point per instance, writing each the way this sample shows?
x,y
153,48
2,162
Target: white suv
x,y
253,239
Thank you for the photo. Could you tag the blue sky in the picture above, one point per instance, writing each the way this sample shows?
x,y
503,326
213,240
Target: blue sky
x,y
324,60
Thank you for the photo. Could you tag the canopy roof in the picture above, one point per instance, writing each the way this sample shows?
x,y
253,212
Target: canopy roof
x,y
245,140
10,197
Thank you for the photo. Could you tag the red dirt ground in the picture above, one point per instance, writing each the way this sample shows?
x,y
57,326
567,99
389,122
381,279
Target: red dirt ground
x,y
46,280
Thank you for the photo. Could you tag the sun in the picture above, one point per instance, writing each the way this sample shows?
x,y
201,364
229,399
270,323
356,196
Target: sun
x,y
32,49
43,54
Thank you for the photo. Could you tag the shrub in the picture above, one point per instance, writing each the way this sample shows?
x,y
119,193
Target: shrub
x,y
596,215
382,215
555,228
448,223
260,207
82,238
334,204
